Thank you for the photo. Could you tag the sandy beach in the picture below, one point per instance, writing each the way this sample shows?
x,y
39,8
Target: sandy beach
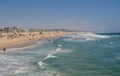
x,y
21,39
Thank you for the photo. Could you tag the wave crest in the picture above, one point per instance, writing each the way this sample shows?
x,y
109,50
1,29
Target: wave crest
x,y
41,64
50,56
22,48
85,37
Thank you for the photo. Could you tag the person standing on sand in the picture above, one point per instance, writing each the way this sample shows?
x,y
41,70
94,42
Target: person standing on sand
x,y
4,49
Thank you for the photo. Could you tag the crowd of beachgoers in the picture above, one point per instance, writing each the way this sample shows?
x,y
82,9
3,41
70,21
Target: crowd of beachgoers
x,y
11,39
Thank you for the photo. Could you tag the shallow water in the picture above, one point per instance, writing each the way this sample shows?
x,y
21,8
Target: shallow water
x,y
72,55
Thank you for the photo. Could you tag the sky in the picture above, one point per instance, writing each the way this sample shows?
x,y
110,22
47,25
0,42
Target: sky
x,y
81,15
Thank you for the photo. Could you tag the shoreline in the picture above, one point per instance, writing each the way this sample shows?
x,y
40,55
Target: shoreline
x,y
28,39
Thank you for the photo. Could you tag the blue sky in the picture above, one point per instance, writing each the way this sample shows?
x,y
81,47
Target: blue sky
x,y
83,15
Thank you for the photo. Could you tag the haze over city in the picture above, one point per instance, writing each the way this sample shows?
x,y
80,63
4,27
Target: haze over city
x,y
82,15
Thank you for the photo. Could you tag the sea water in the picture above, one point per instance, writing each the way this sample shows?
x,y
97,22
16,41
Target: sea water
x,y
72,55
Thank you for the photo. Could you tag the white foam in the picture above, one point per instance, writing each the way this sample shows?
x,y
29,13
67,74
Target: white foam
x,y
41,64
94,35
59,45
21,70
51,72
65,51
58,49
111,42
85,37
90,39
50,56
22,48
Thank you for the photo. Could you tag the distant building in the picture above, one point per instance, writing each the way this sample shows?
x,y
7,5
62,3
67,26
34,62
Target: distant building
x,y
11,29
1,30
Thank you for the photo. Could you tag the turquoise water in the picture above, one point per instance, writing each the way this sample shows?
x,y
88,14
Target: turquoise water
x,y
72,55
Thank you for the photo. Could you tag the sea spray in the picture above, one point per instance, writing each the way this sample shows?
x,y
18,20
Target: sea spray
x,y
85,37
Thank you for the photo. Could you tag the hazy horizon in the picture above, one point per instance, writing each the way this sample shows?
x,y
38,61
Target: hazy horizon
x,y
82,15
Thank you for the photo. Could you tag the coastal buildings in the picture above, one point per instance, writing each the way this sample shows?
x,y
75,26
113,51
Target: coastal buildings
x,y
11,29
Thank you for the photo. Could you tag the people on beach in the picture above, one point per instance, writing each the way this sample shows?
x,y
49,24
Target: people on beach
x,y
4,49
20,38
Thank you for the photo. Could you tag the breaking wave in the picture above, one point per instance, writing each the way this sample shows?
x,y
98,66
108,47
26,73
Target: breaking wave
x,y
50,56
21,48
42,64
82,37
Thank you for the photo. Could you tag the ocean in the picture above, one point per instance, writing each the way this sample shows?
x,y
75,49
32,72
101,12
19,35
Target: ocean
x,y
87,54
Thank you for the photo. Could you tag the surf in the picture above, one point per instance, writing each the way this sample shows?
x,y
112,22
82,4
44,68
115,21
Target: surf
x,y
21,48
41,64
83,37
50,56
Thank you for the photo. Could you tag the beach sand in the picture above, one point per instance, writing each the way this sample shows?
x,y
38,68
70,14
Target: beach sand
x,y
28,37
